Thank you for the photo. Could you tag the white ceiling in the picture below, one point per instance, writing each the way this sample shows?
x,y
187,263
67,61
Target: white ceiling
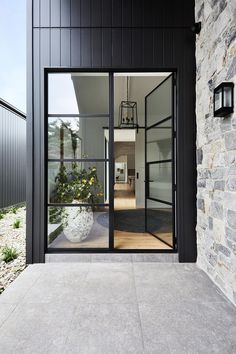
x,y
122,135
92,92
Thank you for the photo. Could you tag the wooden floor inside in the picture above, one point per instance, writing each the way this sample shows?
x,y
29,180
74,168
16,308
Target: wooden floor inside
x,y
125,199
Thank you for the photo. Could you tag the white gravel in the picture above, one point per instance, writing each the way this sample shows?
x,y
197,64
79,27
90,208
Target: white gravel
x,y
15,238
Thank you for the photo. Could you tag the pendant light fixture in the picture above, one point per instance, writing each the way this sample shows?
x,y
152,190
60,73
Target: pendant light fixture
x,y
128,117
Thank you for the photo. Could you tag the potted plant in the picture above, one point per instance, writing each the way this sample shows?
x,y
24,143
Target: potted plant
x,y
79,186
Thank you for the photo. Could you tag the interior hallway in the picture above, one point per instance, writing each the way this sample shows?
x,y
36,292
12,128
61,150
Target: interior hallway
x,y
124,199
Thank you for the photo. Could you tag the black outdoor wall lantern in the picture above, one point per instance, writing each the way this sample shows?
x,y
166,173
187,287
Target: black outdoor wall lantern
x,y
223,99
128,116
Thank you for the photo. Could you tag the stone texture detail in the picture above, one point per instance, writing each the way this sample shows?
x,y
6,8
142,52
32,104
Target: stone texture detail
x,y
216,144
216,210
230,140
231,218
201,204
220,185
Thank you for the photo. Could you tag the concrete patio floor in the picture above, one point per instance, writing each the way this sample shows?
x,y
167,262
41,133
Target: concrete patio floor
x,y
107,308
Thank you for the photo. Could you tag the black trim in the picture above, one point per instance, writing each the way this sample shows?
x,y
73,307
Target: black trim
x,y
166,243
147,164
159,200
107,250
78,160
99,115
159,123
159,161
11,108
110,160
108,69
115,27
160,83
63,205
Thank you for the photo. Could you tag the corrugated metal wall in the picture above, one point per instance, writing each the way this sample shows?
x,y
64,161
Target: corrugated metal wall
x,y
12,158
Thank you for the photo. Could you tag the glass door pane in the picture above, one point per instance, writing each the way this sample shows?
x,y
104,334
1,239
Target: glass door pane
x,y
160,162
78,163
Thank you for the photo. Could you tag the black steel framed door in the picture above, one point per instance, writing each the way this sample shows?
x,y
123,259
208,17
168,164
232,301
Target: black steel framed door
x,y
160,162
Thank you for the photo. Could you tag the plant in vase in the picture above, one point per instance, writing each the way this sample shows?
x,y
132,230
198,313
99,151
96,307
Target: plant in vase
x,y
79,186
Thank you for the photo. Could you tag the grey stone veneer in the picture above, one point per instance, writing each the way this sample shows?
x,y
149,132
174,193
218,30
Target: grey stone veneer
x,y
216,144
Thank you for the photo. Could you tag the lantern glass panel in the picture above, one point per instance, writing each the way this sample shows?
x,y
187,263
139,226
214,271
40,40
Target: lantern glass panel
x,y
218,99
228,97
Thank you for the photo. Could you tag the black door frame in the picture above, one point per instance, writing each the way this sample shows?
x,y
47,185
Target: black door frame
x,y
172,118
110,249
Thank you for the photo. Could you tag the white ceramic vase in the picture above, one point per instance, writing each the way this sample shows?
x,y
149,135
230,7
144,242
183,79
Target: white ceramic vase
x,y
78,223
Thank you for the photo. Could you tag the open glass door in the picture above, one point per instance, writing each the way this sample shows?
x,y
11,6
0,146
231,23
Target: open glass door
x,y
159,162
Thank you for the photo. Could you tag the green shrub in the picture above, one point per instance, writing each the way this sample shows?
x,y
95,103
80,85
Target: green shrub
x,y
16,224
1,216
9,254
13,210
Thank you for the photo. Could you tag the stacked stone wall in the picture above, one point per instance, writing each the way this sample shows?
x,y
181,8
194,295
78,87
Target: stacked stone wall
x,y
216,144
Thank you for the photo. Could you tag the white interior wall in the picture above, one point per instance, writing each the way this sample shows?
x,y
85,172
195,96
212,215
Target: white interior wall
x,y
92,97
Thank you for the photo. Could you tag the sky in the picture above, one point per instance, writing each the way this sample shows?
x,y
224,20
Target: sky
x,y
13,52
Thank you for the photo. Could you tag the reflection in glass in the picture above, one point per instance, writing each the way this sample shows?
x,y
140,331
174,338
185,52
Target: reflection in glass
x,y
160,185
159,143
71,182
78,227
228,96
218,100
76,138
159,103
159,220
73,93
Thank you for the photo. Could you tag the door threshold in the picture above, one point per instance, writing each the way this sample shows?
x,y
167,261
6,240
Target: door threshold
x,y
111,257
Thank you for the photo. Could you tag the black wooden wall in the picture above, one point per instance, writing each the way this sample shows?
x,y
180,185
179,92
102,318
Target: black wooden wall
x,y
112,34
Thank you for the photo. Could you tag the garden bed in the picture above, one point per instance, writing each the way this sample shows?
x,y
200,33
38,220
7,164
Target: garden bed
x,y
12,239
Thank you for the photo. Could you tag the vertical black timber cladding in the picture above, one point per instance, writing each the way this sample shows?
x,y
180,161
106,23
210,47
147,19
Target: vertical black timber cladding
x,y
158,43
117,47
71,37
66,47
106,6
106,47
45,13
65,13
75,13
126,13
75,47
96,13
96,34
148,37
55,13
55,48
85,16
86,49
137,13
126,47
116,13
137,47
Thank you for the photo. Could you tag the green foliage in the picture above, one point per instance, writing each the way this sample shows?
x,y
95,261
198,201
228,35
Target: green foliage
x,y
9,254
79,184
13,210
16,224
1,216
